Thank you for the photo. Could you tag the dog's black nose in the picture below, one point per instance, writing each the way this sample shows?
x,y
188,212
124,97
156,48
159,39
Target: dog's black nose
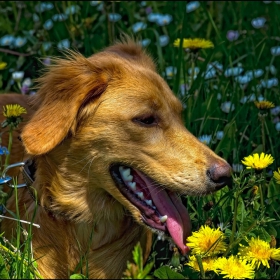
x,y
220,174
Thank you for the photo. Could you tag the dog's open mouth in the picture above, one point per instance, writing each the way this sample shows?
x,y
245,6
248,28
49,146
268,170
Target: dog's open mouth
x,y
161,209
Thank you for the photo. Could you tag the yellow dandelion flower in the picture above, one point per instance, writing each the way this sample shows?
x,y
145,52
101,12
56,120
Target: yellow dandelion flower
x,y
207,263
257,161
258,252
13,110
3,65
276,176
264,104
234,268
194,44
206,241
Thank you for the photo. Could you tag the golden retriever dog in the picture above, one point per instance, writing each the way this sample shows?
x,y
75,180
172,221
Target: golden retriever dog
x,y
112,157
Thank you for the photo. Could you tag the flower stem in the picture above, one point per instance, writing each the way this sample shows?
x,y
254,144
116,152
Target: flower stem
x,y
199,261
9,146
263,133
234,222
192,67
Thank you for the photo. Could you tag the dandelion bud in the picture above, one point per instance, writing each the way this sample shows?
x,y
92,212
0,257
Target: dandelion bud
x,y
208,222
208,206
175,260
273,241
252,180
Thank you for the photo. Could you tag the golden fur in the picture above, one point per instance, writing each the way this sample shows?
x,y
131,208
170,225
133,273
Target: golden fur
x,y
82,122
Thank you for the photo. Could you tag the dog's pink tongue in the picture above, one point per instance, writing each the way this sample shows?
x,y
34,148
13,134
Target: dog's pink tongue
x,y
178,221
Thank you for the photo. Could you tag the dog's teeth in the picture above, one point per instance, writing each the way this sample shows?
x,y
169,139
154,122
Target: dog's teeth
x,y
159,237
149,202
126,172
132,185
140,195
163,219
129,178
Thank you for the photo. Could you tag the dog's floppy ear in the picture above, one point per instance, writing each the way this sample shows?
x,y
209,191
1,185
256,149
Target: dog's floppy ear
x,y
63,89
130,50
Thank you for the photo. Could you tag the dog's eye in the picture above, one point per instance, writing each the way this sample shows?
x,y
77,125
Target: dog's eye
x,y
147,121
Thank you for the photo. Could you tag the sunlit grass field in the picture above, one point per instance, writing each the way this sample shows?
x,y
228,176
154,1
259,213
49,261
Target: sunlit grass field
x,y
222,88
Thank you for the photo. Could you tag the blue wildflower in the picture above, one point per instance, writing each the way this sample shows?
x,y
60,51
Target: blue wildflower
x,y
138,26
46,46
192,5
164,20
145,42
258,22
227,107
3,151
63,44
218,65
269,83
272,69
194,71
18,76
19,42
233,71
275,111
219,135
71,10
47,61
254,73
275,50
35,18
59,17
95,3
143,3
170,71
48,24
7,40
100,7
206,139
232,35
163,40
114,17
243,79
210,72
153,17
43,6
184,88
277,126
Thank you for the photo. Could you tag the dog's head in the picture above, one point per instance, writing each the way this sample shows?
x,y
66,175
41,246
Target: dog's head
x,y
114,121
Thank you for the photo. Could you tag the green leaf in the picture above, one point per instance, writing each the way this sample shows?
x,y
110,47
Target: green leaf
x,y
166,272
137,256
3,271
77,276
241,212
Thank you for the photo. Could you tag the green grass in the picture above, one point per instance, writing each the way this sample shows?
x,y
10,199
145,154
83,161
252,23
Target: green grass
x,y
89,30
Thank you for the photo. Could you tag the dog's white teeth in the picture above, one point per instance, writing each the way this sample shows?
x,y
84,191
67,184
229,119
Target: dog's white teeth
x,y
125,173
132,185
140,195
129,178
163,219
149,202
